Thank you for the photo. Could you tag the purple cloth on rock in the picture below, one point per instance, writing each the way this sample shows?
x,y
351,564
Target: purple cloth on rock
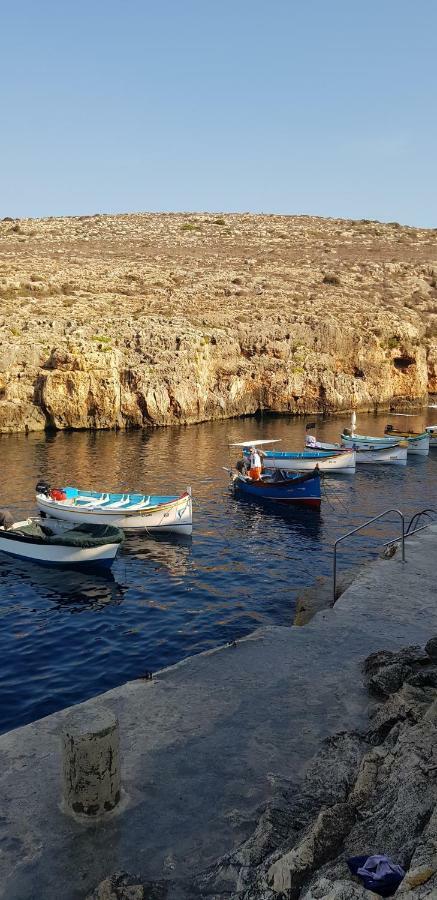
x,y
378,873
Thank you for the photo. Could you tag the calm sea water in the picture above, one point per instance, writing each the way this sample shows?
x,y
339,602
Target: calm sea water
x,y
66,636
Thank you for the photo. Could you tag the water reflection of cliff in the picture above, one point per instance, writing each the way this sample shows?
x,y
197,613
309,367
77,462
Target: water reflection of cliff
x,y
171,552
71,588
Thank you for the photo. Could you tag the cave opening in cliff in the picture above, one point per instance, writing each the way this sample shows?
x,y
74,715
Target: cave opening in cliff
x,y
403,362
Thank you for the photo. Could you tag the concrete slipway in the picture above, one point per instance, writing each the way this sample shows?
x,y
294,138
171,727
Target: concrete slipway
x,y
204,743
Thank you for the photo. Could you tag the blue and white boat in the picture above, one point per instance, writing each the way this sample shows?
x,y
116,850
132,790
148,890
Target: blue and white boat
x,y
417,444
130,512
306,460
303,461
281,487
395,454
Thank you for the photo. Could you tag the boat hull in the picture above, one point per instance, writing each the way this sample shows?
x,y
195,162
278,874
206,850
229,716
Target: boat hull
x,y
303,491
395,456
173,517
415,446
57,555
306,461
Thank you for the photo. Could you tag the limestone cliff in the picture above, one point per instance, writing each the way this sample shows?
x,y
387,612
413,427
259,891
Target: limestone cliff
x,y
124,321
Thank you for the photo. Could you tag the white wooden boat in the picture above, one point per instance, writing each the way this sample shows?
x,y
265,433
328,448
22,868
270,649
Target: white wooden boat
x,y
131,512
417,445
305,461
418,441
394,455
432,431
56,543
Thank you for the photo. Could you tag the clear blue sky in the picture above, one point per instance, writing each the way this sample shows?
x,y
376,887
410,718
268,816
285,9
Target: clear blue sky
x,y
325,107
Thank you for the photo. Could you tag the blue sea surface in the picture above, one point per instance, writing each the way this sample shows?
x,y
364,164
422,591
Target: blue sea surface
x,y
65,636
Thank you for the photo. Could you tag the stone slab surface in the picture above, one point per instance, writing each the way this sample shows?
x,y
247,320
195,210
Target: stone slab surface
x,y
204,743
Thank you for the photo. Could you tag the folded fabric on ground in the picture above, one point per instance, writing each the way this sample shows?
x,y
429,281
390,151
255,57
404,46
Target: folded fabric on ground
x,y
378,873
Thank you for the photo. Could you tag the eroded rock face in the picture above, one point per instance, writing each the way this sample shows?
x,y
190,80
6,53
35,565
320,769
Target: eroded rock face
x,y
124,321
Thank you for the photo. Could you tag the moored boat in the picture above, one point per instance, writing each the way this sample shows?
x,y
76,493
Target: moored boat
x,y
131,512
417,444
306,460
55,543
395,454
432,431
281,487
418,441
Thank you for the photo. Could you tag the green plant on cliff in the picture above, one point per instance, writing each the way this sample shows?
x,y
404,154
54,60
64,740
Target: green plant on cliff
x,y
392,342
190,226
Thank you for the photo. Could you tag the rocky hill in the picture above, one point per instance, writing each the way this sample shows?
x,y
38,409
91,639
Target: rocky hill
x,y
131,320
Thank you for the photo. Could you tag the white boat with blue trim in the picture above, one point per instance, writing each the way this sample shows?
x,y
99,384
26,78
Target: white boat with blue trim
x,y
417,444
131,512
395,455
302,461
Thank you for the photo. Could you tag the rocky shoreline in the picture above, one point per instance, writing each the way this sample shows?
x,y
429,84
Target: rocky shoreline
x,y
149,320
363,793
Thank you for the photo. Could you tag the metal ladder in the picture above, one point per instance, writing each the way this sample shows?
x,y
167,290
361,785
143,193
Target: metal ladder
x,y
406,532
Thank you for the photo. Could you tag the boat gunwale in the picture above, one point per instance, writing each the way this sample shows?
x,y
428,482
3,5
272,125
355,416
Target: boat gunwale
x,y
106,511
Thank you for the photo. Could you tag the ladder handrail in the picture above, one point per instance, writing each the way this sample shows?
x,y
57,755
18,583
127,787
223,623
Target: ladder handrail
x,y
423,512
360,528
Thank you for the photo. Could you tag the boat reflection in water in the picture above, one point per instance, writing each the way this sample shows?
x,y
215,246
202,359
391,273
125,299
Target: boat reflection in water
x,y
300,520
171,552
72,588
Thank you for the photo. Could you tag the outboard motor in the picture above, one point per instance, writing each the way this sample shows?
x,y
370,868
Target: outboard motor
x,y
43,487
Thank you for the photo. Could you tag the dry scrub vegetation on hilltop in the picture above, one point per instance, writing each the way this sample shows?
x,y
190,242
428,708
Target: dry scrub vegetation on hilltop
x,y
120,321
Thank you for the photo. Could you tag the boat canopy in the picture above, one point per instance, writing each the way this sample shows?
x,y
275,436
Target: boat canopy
x,y
255,443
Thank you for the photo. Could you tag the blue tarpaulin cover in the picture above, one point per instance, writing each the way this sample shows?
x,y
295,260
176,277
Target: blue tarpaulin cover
x,y
378,873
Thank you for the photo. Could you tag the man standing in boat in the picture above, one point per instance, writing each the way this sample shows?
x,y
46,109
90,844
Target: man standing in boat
x,y
255,465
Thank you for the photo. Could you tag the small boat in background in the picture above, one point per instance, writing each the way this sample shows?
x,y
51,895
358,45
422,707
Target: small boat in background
x,y
301,461
432,431
416,444
305,461
55,543
418,441
131,512
395,454
281,487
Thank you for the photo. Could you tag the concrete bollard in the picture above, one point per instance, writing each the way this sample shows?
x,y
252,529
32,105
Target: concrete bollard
x,y
91,762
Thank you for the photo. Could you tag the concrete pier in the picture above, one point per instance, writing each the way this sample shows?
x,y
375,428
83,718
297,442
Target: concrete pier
x,y
205,742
